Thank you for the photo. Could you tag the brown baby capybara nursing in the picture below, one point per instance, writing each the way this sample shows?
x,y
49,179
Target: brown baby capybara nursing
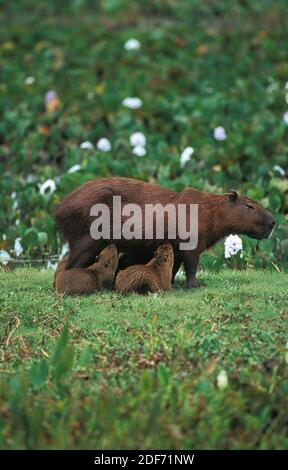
x,y
81,281
154,276
218,216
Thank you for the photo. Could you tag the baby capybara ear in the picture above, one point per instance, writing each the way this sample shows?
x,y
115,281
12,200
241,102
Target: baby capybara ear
x,y
233,195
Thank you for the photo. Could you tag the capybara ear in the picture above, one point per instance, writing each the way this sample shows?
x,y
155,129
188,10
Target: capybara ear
x,y
233,195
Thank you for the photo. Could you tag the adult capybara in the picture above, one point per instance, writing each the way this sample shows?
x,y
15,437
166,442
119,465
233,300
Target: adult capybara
x,y
80,281
154,276
218,216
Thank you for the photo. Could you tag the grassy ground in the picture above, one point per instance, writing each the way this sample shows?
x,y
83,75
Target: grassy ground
x,y
142,372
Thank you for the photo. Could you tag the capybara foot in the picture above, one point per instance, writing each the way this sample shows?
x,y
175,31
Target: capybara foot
x,y
194,283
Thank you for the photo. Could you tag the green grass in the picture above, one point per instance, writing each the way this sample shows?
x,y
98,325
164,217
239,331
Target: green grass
x,y
141,372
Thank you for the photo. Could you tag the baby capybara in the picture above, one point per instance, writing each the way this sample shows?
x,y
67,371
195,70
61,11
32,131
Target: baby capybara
x,y
80,281
154,276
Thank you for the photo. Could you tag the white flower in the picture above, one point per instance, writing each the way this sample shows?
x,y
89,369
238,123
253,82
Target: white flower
x,y
233,244
15,202
48,185
4,257
29,81
139,151
219,133
132,103
186,156
17,221
104,145
285,118
286,86
137,139
222,380
18,248
132,45
74,168
279,170
86,145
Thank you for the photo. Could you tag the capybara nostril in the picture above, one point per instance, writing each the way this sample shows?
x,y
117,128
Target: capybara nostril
x,y
271,224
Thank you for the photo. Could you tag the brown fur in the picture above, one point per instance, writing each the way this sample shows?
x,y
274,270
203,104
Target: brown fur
x,y
219,216
80,281
154,276
60,267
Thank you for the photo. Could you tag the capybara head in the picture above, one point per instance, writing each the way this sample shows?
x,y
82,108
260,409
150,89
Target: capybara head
x,y
164,254
249,217
107,262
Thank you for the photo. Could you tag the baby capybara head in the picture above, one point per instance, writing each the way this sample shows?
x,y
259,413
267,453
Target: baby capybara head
x,y
108,257
164,254
249,217
107,263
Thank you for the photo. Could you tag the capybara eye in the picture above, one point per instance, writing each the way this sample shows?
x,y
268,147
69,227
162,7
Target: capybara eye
x,y
249,206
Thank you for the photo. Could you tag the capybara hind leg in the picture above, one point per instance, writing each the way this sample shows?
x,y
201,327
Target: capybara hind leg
x,y
152,286
190,266
84,252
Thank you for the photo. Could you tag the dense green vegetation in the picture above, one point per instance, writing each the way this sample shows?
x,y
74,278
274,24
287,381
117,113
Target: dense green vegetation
x,y
200,65
184,369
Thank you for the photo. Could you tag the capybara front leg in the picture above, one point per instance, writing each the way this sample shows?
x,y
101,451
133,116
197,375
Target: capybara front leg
x,y
190,265
84,252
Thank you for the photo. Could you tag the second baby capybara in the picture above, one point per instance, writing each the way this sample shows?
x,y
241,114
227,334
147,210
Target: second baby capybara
x,y
154,276
218,216
80,281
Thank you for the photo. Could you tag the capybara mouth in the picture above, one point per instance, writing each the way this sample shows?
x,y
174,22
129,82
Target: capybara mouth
x,y
270,233
264,235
